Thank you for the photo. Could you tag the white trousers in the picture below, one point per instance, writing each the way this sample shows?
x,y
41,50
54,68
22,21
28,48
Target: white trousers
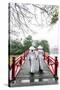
x,y
32,65
40,59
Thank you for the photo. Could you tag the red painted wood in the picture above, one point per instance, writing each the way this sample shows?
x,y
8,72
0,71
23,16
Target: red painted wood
x,y
13,69
52,64
17,63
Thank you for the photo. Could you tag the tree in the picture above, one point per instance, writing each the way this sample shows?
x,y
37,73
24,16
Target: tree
x,y
45,45
54,18
36,43
27,42
16,48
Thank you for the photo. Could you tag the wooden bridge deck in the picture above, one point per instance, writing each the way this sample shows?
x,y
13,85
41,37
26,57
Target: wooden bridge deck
x,y
24,77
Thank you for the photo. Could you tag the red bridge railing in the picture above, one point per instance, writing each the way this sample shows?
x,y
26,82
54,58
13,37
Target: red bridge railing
x,y
52,64
16,65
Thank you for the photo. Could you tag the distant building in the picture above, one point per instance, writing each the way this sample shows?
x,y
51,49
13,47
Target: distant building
x,y
54,50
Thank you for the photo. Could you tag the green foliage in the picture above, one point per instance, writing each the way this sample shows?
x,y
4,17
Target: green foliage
x,y
27,42
54,18
37,43
16,47
45,45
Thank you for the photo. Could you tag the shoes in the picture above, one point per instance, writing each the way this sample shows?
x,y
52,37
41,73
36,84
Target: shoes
x,y
31,73
41,71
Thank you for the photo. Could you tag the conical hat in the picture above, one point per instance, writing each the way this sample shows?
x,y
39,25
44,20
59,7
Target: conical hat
x,y
40,47
31,48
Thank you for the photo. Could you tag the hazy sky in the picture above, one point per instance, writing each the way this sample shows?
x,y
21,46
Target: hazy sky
x,y
50,33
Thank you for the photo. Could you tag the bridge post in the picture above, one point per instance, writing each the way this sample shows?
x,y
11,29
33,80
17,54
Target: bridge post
x,y
13,68
56,68
21,60
48,60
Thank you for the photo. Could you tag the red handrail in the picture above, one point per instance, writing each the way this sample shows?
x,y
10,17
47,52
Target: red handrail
x,y
17,63
52,64
52,59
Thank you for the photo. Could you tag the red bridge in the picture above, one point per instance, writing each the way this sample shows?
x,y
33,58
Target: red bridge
x,y
19,71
